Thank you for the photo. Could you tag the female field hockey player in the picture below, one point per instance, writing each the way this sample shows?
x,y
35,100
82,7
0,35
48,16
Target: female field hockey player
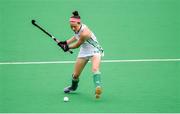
x,y
89,49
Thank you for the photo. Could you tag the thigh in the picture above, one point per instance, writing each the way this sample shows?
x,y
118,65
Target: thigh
x,y
79,66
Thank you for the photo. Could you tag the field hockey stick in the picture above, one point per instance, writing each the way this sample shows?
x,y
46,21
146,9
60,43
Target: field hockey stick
x,y
55,39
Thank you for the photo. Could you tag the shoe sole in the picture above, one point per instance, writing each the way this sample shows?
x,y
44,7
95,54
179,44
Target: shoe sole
x,y
98,92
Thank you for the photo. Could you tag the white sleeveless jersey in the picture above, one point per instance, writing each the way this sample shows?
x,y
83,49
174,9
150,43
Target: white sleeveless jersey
x,y
91,46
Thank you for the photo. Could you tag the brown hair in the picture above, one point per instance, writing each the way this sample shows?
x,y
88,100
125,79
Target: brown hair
x,y
75,15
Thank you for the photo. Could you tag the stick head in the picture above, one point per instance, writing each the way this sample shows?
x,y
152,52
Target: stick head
x,y
33,21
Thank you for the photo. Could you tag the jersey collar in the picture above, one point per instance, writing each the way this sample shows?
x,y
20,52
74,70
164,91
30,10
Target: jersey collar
x,y
79,29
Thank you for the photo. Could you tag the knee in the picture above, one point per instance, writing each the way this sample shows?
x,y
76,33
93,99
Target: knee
x,y
95,70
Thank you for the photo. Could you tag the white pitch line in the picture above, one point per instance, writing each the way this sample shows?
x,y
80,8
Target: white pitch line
x,y
103,61
38,62
141,60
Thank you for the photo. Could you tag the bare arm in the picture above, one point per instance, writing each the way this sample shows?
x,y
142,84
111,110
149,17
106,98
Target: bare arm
x,y
76,45
71,40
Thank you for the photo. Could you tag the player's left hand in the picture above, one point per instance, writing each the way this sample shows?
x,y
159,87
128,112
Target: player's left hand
x,y
64,46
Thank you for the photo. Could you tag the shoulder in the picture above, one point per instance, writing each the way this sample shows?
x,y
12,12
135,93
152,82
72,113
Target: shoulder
x,y
85,32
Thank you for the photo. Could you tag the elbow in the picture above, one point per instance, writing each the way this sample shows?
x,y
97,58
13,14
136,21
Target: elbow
x,y
77,46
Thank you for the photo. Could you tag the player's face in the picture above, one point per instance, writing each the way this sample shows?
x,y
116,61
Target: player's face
x,y
74,26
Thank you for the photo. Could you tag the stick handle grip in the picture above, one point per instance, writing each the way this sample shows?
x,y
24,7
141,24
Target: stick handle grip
x,y
57,41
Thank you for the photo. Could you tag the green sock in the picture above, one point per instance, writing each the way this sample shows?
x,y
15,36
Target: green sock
x,y
97,79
